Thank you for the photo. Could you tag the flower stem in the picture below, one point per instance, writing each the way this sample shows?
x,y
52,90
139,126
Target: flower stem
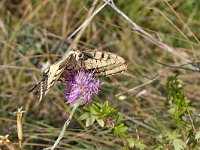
x,y
75,106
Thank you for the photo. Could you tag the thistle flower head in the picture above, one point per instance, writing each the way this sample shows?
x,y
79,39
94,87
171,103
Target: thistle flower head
x,y
81,85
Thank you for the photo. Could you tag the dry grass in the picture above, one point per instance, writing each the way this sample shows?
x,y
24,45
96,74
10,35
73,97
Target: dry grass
x,y
30,31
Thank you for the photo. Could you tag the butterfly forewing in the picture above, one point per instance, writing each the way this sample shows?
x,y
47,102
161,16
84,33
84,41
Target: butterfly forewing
x,y
50,77
104,63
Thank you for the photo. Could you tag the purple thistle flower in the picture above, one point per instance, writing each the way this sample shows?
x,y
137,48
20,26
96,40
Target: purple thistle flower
x,y
81,85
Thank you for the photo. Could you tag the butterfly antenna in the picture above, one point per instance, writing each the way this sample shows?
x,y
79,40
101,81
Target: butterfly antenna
x,y
33,88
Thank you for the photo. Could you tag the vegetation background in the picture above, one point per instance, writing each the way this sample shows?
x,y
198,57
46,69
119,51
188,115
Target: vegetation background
x,y
29,32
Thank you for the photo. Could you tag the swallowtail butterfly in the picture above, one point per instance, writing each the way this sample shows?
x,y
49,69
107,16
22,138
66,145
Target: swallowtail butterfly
x,y
103,63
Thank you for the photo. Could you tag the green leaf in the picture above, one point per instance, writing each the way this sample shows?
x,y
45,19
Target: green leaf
x,y
178,144
172,110
122,128
105,107
197,136
131,142
119,130
95,108
101,122
135,143
140,145
119,118
90,120
106,104
171,135
84,116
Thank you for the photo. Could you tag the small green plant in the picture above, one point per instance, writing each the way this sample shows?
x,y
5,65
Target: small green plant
x,y
97,112
180,137
171,139
183,135
102,114
181,105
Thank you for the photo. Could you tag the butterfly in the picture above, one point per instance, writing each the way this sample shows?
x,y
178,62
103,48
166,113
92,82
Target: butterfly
x,y
103,63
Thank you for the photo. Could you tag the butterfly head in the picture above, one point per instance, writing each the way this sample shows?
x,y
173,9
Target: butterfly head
x,y
78,55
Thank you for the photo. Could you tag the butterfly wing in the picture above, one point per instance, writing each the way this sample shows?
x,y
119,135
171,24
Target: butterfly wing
x,y
51,75
104,63
54,72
